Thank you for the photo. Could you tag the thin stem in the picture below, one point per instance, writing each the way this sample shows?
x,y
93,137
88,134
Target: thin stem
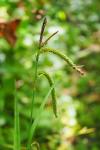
x,y
36,65
35,77
33,98
34,84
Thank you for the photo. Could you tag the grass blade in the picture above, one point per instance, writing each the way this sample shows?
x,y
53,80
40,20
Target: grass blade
x,y
16,124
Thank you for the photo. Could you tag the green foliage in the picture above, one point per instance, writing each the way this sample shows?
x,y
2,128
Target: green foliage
x,y
77,97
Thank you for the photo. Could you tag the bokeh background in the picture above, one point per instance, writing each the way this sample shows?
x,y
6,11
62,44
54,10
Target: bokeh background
x,y
78,98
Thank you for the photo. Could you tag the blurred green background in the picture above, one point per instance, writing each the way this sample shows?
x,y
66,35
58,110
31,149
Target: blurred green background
x,y
78,98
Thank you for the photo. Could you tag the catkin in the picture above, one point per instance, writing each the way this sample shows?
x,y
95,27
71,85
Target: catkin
x,y
64,57
54,103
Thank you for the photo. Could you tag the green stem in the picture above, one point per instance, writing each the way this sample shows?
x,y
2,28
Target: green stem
x,y
34,83
35,78
33,98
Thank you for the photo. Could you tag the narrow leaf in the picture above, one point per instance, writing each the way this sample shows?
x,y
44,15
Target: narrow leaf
x,y
16,123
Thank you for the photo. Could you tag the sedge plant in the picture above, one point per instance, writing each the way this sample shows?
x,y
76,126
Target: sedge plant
x,y
42,49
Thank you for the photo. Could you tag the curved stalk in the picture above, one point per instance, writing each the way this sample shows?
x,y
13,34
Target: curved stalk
x,y
54,103
64,57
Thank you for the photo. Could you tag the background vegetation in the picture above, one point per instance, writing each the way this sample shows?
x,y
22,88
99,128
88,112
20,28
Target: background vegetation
x,y
78,98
